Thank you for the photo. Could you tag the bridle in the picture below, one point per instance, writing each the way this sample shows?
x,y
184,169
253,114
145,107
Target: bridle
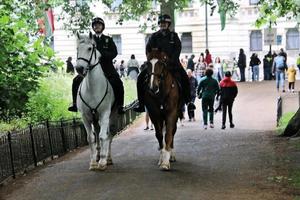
x,y
90,67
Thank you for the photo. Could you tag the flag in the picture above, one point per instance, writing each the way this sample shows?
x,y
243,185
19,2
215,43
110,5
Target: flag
x,y
49,22
46,24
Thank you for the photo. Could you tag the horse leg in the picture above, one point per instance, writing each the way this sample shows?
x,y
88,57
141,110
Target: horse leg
x,y
109,159
159,137
104,141
173,158
166,151
97,141
91,141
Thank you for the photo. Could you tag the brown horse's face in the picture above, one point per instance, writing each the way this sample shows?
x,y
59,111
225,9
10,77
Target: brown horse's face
x,y
156,72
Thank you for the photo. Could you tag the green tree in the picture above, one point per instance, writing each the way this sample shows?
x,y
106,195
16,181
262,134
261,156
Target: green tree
x,y
24,57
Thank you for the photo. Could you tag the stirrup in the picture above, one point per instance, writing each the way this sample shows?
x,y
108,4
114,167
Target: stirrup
x,y
140,108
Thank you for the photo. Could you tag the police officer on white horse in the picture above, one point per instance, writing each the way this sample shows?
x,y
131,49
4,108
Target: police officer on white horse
x,y
166,41
106,46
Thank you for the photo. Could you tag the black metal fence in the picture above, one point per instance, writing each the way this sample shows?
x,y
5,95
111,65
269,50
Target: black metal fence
x,y
23,149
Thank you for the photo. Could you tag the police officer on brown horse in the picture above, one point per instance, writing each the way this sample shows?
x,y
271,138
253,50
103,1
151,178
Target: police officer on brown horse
x,y
168,42
106,46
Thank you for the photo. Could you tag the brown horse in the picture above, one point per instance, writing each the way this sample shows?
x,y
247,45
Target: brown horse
x,y
163,103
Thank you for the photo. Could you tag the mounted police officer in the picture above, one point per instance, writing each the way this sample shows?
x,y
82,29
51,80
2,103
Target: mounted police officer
x,y
166,41
106,46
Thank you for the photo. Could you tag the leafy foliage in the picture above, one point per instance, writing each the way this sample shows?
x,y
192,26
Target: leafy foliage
x,y
51,100
271,10
24,57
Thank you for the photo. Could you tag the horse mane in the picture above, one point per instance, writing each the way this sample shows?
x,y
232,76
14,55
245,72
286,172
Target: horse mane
x,y
155,53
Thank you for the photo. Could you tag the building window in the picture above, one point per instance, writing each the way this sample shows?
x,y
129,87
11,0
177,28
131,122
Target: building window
x,y
187,43
279,39
253,2
256,40
292,39
118,41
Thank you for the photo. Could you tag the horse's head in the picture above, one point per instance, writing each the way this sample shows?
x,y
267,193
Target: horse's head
x,y
156,65
87,54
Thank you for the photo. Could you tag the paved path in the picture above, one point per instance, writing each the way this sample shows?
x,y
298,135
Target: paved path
x,y
211,164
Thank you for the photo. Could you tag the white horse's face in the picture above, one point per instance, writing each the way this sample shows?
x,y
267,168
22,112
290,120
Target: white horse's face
x,y
87,54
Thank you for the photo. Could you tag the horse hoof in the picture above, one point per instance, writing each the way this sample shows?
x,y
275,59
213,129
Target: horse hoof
x,y
93,166
102,167
110,162
165,167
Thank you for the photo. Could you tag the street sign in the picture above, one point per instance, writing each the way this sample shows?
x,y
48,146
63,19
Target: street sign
x,y
270,35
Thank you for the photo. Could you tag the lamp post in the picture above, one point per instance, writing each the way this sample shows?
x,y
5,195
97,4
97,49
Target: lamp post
x,y
206,29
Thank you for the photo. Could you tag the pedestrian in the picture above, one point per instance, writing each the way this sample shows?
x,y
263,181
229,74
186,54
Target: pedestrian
x,y
191,64
242,64
106,46
267,65
200,68
254,64
279,70
218,68
207,90
166,41
228,93
132,67
148,120
193,86
208,58
70,67
234,72
122,69
291,73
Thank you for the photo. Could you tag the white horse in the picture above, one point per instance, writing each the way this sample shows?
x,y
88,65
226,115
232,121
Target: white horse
x,y
94,101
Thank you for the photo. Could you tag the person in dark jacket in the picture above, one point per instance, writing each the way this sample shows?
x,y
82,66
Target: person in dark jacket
x,y
70,67
207,90
106,46
166,41
193,86
267,65
191,64
228,93
242,64
254,64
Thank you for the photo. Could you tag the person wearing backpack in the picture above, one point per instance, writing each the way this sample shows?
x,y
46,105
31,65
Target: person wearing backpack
x,y
279,69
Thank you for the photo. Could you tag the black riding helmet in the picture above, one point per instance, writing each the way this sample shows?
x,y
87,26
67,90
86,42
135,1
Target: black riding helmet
x,y
164,18
98,20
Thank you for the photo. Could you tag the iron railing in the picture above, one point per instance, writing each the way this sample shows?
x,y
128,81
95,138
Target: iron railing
x,y
24,149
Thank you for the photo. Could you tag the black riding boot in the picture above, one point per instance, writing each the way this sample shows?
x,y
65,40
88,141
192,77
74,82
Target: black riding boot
x,y
140,92
75,85
118,89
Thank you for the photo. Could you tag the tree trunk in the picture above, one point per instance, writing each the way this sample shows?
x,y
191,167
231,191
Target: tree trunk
x,y
293,127
169,8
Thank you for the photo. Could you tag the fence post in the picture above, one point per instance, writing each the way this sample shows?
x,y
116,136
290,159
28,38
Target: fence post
x,y
63,136
279,109
49,138
75,132
32,145
11,155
